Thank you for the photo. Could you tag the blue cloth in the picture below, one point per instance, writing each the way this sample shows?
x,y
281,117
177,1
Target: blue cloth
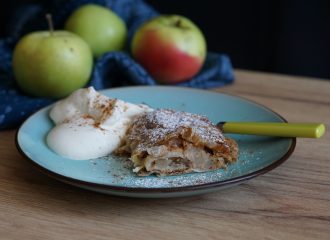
x,y
110,70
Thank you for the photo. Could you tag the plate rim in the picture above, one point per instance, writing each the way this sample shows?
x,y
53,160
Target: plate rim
x,y
188,188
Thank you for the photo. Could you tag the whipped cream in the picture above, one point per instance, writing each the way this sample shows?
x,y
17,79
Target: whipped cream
x,y
90,125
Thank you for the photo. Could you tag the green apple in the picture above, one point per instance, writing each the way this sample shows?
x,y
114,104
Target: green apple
x,y
170,47
100,27
52,63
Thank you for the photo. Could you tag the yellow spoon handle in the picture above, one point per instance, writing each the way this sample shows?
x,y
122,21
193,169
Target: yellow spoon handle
x,y
307,130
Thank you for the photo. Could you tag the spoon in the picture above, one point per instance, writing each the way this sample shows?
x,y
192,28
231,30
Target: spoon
x,y
305,130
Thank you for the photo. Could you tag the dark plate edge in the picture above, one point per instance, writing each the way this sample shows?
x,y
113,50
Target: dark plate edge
x,y
189,188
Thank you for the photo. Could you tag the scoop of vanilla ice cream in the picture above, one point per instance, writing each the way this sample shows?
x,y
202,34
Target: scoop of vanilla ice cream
x,y
89,124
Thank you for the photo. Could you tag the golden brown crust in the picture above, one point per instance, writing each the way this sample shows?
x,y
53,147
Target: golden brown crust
x,y
167,142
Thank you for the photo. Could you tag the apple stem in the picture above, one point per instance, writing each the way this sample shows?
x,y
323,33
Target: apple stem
x,y
50,23
178,23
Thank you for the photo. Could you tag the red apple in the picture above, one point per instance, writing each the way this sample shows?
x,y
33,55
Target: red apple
x,y
170,47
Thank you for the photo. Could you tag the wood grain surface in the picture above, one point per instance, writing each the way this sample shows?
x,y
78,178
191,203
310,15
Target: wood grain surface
x,y
290,202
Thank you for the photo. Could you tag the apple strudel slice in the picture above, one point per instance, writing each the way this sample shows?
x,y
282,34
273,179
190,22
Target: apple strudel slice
x,y
168,142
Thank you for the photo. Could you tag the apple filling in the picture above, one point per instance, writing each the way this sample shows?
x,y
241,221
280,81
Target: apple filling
x,y
167,142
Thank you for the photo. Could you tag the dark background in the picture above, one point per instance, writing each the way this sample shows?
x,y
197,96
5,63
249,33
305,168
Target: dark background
x,y
291,37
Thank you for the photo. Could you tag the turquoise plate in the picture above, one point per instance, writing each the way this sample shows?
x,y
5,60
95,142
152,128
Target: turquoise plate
x,y
113,175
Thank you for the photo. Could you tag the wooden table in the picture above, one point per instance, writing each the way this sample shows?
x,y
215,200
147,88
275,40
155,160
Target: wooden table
x,y
290,202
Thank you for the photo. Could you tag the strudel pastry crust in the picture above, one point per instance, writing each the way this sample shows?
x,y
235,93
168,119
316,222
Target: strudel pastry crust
x,y
167,142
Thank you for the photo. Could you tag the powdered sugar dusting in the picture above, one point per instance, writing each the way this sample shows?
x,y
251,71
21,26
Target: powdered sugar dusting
x,y
156,126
